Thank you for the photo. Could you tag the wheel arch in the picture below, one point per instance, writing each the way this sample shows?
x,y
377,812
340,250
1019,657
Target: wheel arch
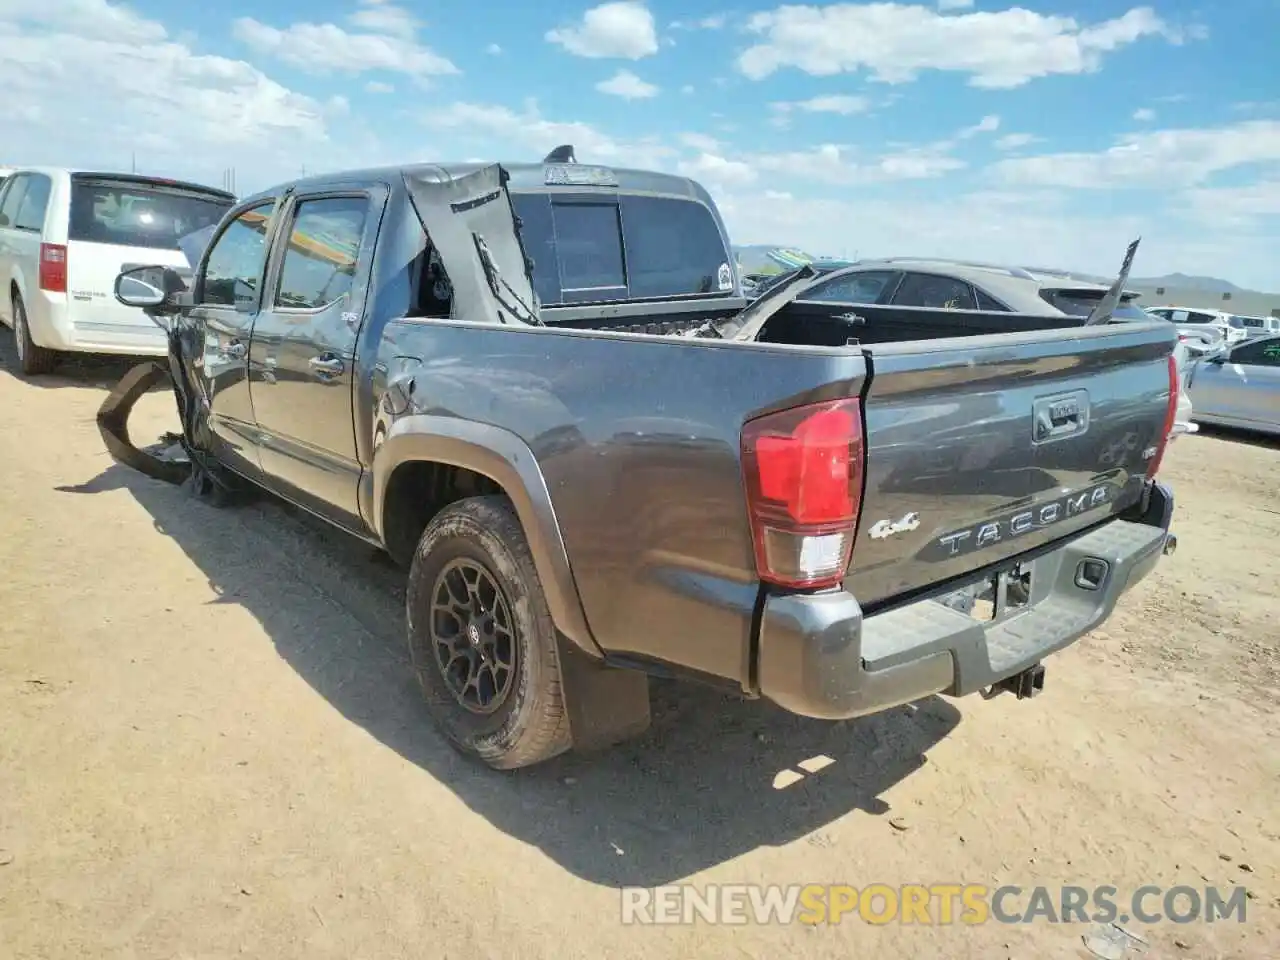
x,y
457,458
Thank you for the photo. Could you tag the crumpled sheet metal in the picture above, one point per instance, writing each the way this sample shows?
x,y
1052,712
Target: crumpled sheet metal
x,y
113,424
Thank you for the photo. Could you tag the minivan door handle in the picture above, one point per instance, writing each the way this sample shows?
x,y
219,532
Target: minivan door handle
x,y
326,365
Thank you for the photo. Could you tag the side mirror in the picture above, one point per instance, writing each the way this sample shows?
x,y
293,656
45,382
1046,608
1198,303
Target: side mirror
x,y
151,289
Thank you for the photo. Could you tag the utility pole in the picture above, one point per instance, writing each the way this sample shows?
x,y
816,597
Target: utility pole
x,y
133,163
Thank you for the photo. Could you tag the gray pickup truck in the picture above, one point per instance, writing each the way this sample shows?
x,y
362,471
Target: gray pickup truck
x,y
539,387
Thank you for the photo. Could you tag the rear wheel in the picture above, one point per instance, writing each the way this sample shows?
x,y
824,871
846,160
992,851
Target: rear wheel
x,y
33,359
481,637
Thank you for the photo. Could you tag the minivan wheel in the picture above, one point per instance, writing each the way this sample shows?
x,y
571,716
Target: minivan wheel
x,y
481,638
33,359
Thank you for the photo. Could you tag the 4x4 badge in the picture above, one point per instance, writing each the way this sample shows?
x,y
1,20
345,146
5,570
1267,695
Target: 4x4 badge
x,y
887,527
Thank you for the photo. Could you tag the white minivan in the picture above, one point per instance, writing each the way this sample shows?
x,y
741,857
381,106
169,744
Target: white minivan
x,y
66,234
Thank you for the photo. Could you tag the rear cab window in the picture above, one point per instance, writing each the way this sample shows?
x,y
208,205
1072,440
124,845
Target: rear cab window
x,y
612,246
135,212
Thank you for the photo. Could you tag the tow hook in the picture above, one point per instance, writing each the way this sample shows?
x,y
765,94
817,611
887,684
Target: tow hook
x,y
1170,544
1029,683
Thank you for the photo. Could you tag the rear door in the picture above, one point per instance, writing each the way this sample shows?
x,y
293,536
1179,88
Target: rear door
x,y
984,447
302,357
118,222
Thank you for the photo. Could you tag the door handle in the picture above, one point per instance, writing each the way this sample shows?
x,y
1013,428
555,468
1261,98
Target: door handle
x,y
235,350
326,365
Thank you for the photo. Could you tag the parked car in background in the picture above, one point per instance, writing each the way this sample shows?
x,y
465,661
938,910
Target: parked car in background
x,y
965,285
1214,324
5,172
1238,385
66,234
1261,326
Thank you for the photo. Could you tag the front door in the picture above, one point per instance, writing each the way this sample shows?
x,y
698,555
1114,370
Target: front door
x,y
225,301
302,358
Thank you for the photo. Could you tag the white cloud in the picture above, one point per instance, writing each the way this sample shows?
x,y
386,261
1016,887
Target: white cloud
x,y
386,40
714,22
97,83
627,85
623,29
1144,114
502,129
843,104
377,86
1015,141
701,142
493,50
717,173
895,42
1235,206
1159,159
379,16
988,124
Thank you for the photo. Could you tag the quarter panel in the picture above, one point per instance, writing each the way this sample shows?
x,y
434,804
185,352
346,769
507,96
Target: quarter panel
x,y
638,441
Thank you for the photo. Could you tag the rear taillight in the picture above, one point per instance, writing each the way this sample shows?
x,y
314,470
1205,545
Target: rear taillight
x,y
803,471
1170,417
53,267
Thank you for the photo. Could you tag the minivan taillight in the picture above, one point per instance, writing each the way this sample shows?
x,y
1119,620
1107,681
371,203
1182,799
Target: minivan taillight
x,y
53,267
1170,417
803,471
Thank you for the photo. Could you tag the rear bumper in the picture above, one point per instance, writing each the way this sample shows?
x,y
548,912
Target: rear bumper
x,y
77,327
820,657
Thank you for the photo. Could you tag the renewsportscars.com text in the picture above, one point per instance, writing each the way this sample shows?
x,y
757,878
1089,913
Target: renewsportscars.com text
x,y
931,904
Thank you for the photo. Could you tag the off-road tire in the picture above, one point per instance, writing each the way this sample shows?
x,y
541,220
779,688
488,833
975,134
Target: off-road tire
x,y
33,359
531,725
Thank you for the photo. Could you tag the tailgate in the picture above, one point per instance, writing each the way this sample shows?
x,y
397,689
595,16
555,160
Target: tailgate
x,y
980,449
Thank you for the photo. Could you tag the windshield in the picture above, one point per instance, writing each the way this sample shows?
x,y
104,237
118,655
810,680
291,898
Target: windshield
x,y
134,213
593,248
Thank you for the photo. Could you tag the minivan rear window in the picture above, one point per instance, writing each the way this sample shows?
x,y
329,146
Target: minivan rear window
x,y
139,213
592,249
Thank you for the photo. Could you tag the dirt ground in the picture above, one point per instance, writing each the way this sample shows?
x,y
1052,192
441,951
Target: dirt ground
x,y
210,746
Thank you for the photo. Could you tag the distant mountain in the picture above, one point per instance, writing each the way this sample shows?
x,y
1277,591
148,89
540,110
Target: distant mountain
x,y
1182,281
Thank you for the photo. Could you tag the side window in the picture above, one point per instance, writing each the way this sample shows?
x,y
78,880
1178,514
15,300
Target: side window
x,y
234,268
15,189
939,293
1266,354
320,262
1179,316
855,288
989,303
1202,318
34,203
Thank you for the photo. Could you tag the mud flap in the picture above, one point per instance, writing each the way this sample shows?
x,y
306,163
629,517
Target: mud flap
x,y
113,424
606,705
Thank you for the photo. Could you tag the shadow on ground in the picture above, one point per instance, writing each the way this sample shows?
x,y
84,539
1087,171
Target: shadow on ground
x,y
73,370
699,789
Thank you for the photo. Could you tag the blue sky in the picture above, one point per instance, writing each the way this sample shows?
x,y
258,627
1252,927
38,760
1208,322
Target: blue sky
x,y
1049,132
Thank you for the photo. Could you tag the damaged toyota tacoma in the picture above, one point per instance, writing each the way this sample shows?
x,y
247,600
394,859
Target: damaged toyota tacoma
x,y
539,388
